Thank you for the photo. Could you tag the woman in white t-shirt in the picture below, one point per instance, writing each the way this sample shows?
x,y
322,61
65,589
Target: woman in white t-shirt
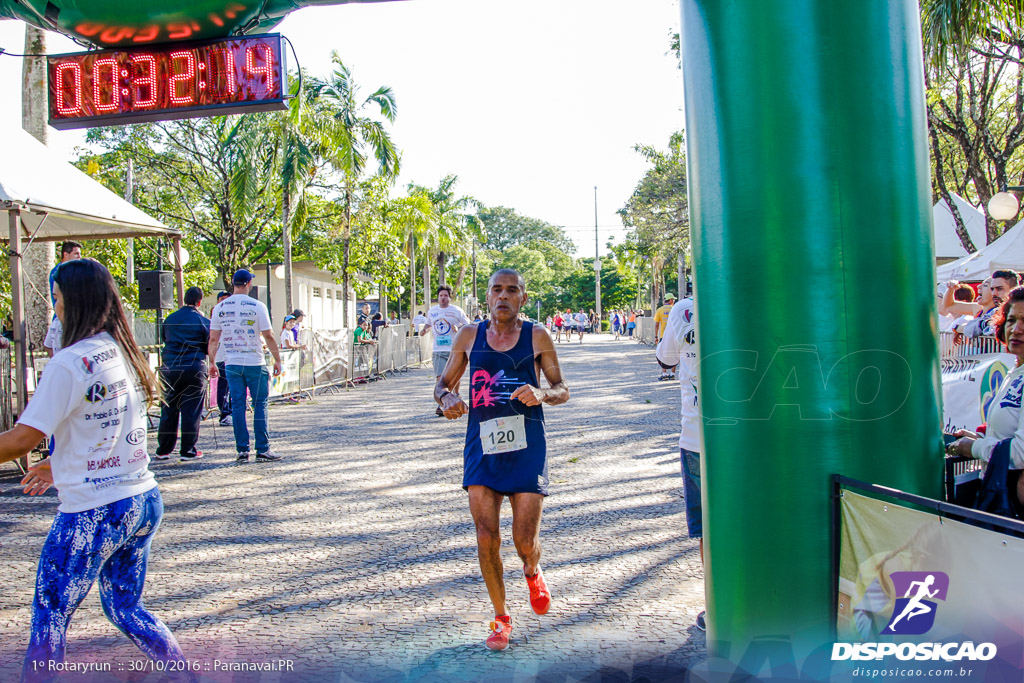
x,y
92,397
1005,420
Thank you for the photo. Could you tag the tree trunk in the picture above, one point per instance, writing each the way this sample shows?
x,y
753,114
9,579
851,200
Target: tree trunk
x,y
37,259
441,258
286,243
346,244
426,285
462,277
681,274
412,277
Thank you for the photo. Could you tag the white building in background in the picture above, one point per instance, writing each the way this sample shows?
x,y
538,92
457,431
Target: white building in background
x,y
313,290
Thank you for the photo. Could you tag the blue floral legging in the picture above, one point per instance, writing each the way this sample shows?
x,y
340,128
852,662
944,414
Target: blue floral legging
x,y
111,543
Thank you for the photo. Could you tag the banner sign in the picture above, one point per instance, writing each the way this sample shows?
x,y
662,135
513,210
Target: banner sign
x,y
969,383
331,355
926,598
288,381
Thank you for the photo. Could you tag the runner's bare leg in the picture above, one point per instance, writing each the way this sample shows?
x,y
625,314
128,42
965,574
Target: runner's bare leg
x,y
485,505
526,513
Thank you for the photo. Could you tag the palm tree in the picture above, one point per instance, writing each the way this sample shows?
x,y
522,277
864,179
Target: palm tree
x,y
952,25
457,228
353,135
302,148
414,219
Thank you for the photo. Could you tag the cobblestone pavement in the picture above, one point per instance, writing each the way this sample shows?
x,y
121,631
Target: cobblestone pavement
x,y
354,559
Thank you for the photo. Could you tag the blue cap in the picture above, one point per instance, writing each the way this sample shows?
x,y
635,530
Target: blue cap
x,y
241,277
289,317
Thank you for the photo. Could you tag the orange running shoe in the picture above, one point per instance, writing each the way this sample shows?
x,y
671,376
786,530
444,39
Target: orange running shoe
x,y
540,596
501,631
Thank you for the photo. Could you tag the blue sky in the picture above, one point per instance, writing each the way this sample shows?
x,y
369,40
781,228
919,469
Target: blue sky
x,y
531,103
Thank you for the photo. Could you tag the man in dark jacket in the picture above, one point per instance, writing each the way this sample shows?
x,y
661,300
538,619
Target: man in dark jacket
x,y
185,334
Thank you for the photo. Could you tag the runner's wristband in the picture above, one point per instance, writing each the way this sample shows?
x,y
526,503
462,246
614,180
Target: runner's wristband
x,y
440,399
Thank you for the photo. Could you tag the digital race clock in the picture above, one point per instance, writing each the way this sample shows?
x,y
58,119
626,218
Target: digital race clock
x,y
173,81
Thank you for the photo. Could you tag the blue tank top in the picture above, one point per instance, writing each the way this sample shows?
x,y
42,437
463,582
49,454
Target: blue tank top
x,y
493,377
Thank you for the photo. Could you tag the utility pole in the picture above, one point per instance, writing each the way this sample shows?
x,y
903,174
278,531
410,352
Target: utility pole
x,y
597,264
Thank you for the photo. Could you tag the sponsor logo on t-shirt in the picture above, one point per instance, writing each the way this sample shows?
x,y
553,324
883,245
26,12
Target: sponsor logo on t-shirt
x,y
249,303
136,436
138,455
96,393
110,461
89,366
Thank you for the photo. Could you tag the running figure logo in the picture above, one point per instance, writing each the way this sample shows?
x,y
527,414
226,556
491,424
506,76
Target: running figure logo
x,y
914,614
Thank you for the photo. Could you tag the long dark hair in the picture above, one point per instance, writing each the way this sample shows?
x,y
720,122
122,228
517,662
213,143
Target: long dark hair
x,y
92,304
1016,295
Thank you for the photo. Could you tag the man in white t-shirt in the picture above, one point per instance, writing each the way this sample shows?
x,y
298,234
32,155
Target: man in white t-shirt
x,y
678,346
238,323
418,322
54,336
444,320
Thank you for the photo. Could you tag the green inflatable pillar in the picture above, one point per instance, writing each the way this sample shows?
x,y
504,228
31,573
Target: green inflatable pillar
x,y
812,242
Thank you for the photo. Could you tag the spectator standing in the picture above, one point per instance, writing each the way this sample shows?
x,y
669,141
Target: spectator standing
x,y
678,346
186,337
362,334
418,322
376,323
223,395
287,337
1004,434
394,320
444,319
660,325
69,251
52,341
631,325
1001,283
364,315
238,323
296,331
616,324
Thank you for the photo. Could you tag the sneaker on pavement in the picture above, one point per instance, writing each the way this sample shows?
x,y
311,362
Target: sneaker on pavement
x,y
540,596
188,457
701,624
269,456
226,421
243,456
159,456
501,631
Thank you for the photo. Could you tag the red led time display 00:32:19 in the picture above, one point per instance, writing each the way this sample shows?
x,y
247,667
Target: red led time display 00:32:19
x,y
111,87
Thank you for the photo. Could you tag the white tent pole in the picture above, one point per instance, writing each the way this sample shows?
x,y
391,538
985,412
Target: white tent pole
x,y
18,313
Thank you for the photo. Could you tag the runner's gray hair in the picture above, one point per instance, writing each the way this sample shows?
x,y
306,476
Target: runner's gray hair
x,y
508,271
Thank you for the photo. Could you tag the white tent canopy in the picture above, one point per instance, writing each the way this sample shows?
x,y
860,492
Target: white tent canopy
x,y
46,199
1006,252
947,242
68,204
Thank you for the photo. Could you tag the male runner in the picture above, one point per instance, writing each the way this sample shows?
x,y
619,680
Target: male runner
x,y
444,319
506,451
679,347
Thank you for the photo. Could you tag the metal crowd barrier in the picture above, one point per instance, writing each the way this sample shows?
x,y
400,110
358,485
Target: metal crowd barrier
x,y
970,347
6,391
644,330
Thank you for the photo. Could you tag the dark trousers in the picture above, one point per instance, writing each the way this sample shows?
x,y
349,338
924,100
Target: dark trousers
x,y
184,395
223,395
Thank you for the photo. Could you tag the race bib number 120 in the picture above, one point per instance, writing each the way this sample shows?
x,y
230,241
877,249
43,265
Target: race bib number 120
x,y
503,434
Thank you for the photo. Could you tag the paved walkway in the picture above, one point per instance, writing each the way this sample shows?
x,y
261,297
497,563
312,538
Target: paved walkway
x,y
354,558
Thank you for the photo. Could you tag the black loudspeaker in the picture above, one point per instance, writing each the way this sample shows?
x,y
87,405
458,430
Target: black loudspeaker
x,y
156,290
255,292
